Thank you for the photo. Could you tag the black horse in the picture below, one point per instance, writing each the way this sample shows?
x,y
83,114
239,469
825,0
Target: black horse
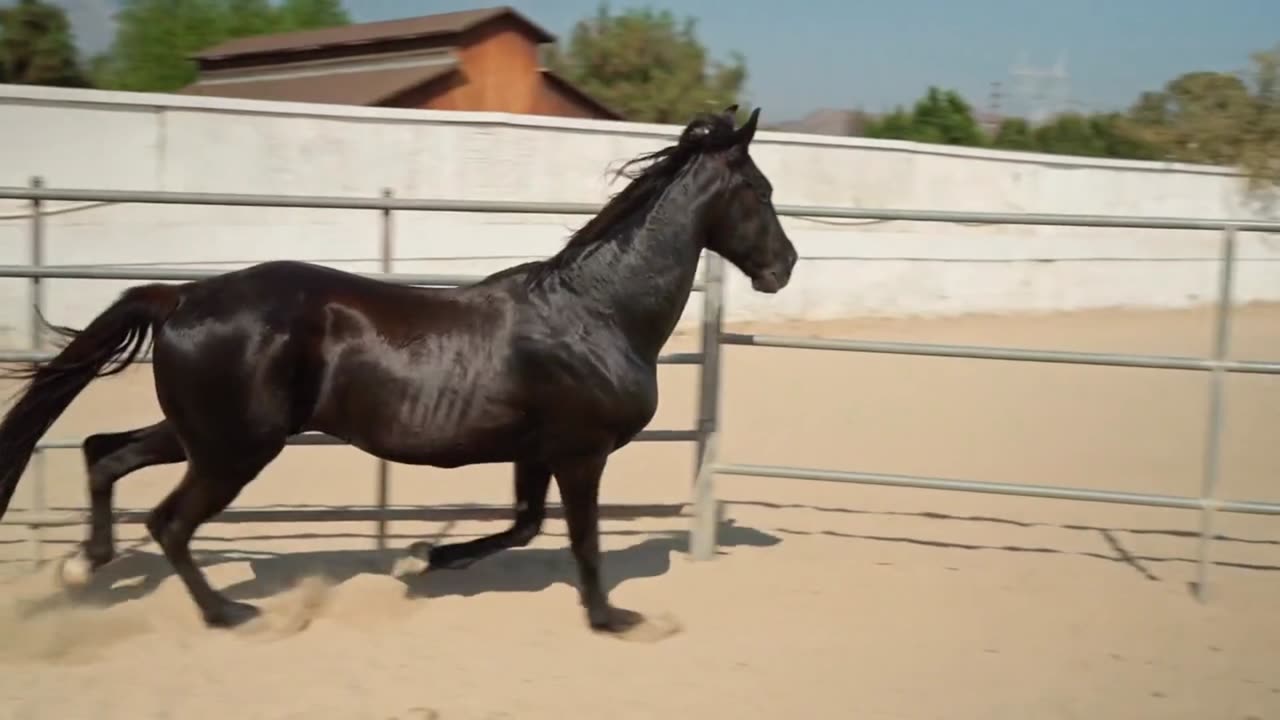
x,y
549,365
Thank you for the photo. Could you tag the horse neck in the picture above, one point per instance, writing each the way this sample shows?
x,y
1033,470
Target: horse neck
x,y
642,275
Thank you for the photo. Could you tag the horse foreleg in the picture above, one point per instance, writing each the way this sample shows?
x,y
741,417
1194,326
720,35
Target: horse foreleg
x,y
579,483
109,457
531,484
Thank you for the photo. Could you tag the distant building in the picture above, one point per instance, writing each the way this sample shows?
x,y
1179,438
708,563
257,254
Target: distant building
x,y
483,60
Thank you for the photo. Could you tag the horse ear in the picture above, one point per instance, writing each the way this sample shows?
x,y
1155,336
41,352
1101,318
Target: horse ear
x,y
731,112
748,129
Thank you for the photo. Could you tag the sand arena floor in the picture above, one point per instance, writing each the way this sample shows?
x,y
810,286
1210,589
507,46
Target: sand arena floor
x,y
828,600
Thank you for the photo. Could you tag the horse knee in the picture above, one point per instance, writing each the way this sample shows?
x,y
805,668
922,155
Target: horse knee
x,y
158,521
525,530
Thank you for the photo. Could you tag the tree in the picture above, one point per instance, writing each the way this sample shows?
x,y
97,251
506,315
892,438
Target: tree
x,y
1197,117
1121,139
155,38
1014,134
1070,134
37,46
647,67
306,14
941,116
249,17
1260,141
894,126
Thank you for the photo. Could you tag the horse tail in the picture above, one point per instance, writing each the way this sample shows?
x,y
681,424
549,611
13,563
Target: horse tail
x,y
110,343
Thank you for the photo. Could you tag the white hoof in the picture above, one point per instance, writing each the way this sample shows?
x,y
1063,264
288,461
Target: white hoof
x,y
75,571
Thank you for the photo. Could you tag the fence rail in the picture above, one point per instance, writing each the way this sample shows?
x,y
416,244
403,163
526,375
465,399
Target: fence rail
x,y
984,352
705,510
388,202
996,488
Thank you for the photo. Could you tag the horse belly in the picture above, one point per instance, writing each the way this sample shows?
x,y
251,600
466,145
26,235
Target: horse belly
x,y
448,422
448,446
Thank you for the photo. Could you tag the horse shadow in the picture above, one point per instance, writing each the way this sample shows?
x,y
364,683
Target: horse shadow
x,y
137,573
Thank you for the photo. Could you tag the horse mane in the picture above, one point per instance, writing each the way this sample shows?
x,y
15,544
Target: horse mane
x,y
649,174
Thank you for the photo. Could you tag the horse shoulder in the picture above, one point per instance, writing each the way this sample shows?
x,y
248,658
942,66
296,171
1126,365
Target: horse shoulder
x,y
578,369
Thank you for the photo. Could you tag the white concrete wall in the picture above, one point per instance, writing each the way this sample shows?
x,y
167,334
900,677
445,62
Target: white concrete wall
x,y
94,139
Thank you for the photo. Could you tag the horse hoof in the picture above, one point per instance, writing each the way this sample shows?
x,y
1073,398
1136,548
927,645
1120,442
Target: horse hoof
x,y
230,615
408,566
75,571
630,625
441,558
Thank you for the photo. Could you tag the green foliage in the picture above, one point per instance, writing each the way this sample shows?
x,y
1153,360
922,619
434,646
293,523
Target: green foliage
x,y
1014,134
155,38
1196,117
646,66
306,14
941,116
1070,134
894,126
1121,138
37,46
1217,118
250,17
1260,141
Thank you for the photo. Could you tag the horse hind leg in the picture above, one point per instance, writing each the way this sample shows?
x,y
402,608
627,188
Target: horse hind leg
x,y
109,457
211,483
531,483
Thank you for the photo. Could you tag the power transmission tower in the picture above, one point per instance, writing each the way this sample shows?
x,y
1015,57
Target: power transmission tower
x,y
1041,92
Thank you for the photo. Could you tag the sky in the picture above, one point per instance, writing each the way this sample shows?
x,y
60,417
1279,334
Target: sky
x,y
809,54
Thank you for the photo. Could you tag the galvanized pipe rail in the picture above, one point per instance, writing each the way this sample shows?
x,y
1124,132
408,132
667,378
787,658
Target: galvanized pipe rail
x,y
706,512
387,202
705,509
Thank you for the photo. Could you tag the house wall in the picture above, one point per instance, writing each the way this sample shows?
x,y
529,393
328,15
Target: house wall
x,y
500,67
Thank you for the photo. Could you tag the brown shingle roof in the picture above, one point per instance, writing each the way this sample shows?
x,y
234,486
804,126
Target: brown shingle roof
x,y
450,23
564,85
349,88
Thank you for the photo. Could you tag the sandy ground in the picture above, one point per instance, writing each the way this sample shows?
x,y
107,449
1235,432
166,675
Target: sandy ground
x,y
828,600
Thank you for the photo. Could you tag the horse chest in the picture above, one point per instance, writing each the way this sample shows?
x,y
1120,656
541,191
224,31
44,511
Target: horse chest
x,y
616,392
632,401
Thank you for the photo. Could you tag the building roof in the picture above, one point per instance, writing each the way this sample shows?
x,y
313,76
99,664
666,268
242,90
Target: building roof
x,y
559,82
367,87
423,26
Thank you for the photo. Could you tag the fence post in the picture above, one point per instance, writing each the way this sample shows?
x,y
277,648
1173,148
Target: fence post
x,y
386,252
702,536
1213,442
36,465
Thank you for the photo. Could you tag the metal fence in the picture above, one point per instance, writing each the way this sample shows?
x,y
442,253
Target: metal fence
x,y
705,510
706,513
